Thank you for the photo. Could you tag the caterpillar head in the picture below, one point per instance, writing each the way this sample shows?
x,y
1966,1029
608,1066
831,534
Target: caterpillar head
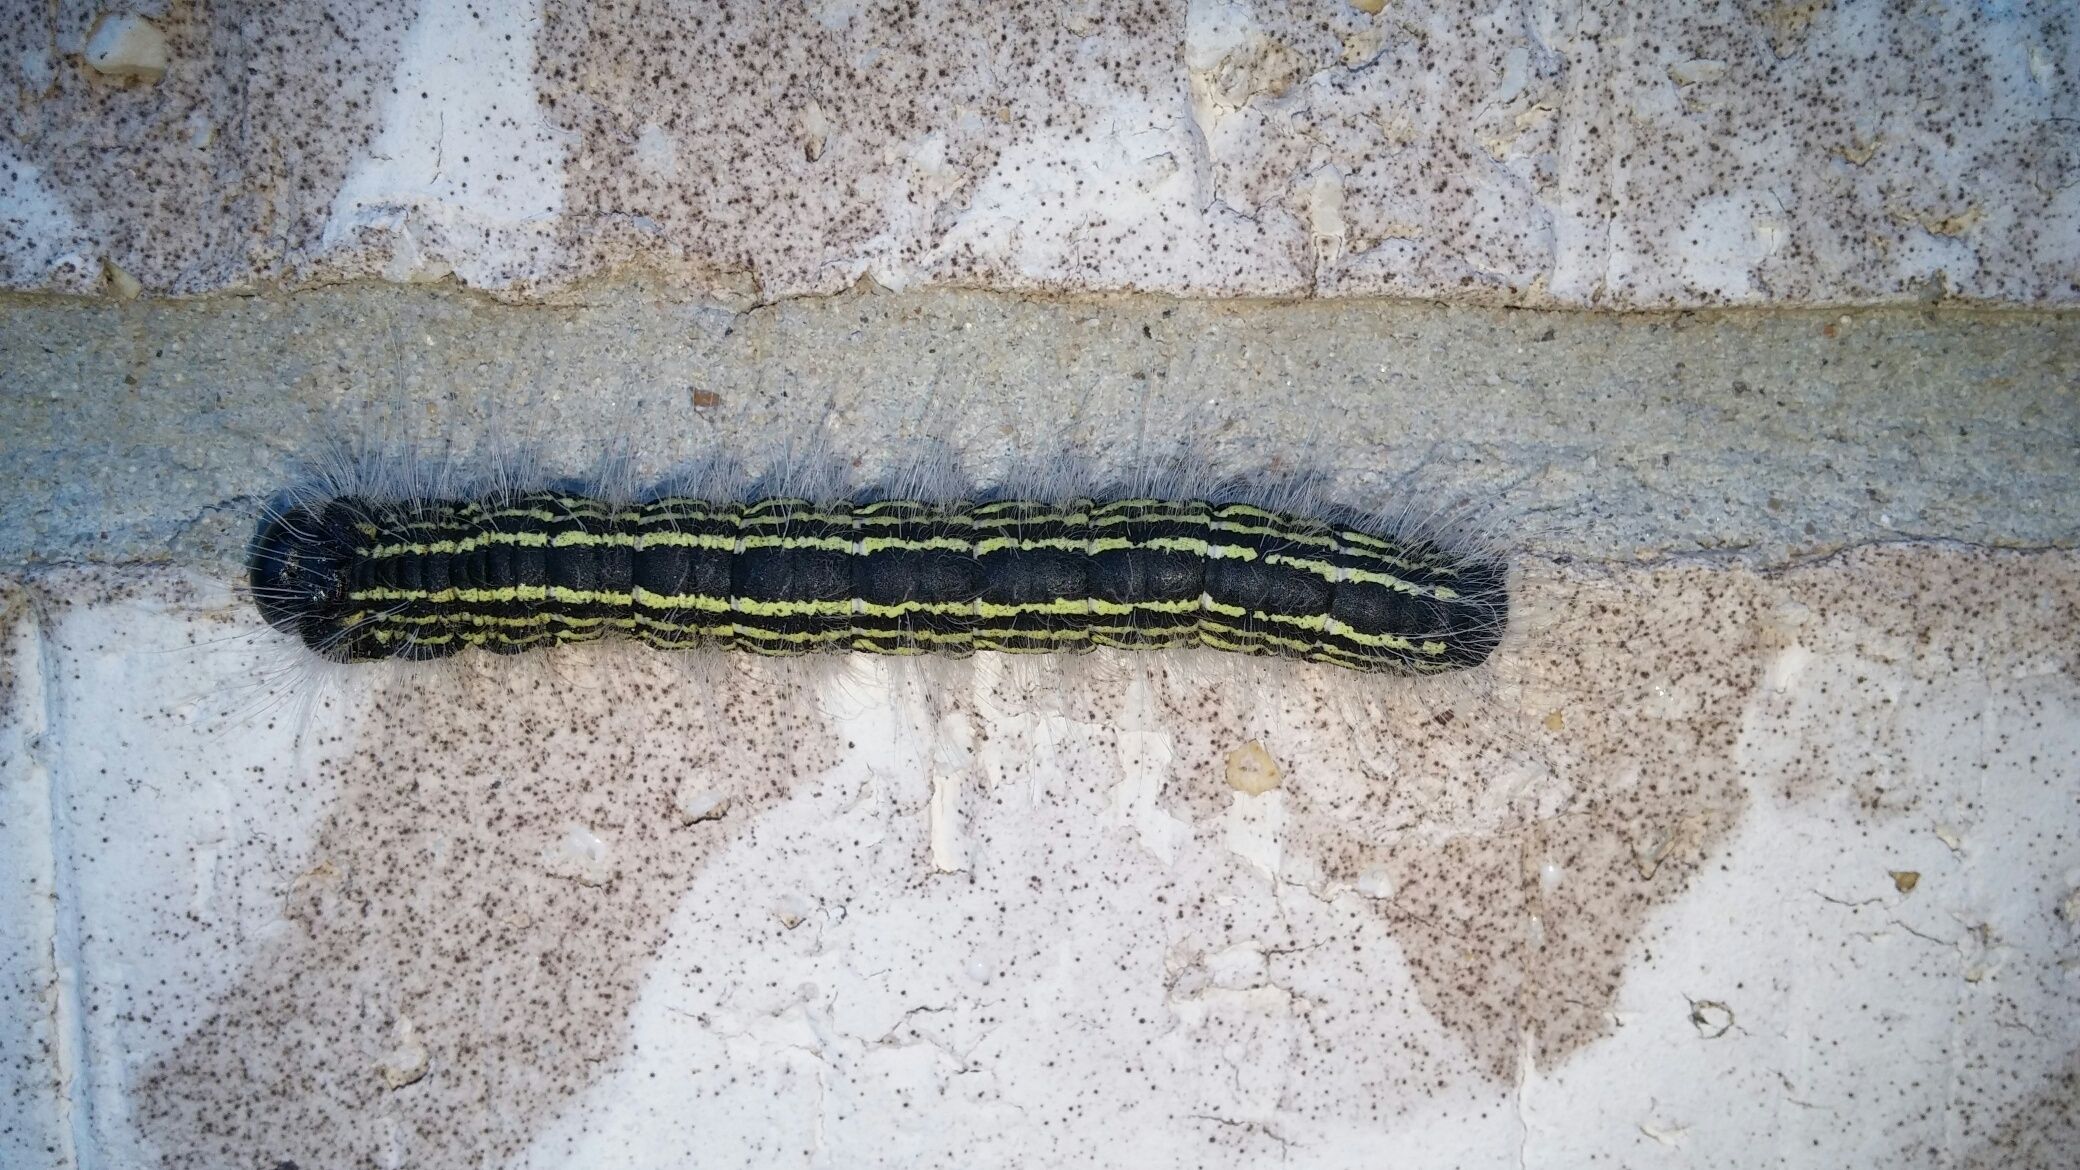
x,y
297,569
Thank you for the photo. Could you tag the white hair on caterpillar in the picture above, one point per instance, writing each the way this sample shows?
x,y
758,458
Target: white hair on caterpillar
x,y
912,463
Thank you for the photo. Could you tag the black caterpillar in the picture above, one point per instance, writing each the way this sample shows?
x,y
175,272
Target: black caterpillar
x,y
360,580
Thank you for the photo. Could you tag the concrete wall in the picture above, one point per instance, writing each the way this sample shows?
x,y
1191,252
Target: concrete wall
x,y
1759,845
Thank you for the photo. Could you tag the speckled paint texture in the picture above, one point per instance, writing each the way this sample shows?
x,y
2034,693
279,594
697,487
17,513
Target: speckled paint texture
x,y
617,909
1582,154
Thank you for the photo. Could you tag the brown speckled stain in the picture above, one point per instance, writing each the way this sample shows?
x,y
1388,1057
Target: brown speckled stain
x,y
219,175
1904,661
798,135
1476,153
1780,153
1458,803
2028,1134
1632,753
15,602
498,864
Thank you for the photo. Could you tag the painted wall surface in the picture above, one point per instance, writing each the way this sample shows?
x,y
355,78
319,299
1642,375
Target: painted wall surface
x,y
1570,153
1751,869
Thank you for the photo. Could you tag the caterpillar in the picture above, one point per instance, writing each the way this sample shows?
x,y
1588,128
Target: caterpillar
x,y
360,579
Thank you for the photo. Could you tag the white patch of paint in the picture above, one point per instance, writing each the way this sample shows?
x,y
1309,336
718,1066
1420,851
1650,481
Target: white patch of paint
x,y
1724,240
1253,828
41,244
1219,39
129,46
466,170
1786,668
407,1060
656,151
1060,208
1145,754
1325,216
1237,968
945,814
952,755
580,855
36,1045
699,800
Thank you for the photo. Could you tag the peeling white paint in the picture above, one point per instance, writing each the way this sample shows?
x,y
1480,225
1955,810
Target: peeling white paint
x,y
1145,753
1254,829
578,854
